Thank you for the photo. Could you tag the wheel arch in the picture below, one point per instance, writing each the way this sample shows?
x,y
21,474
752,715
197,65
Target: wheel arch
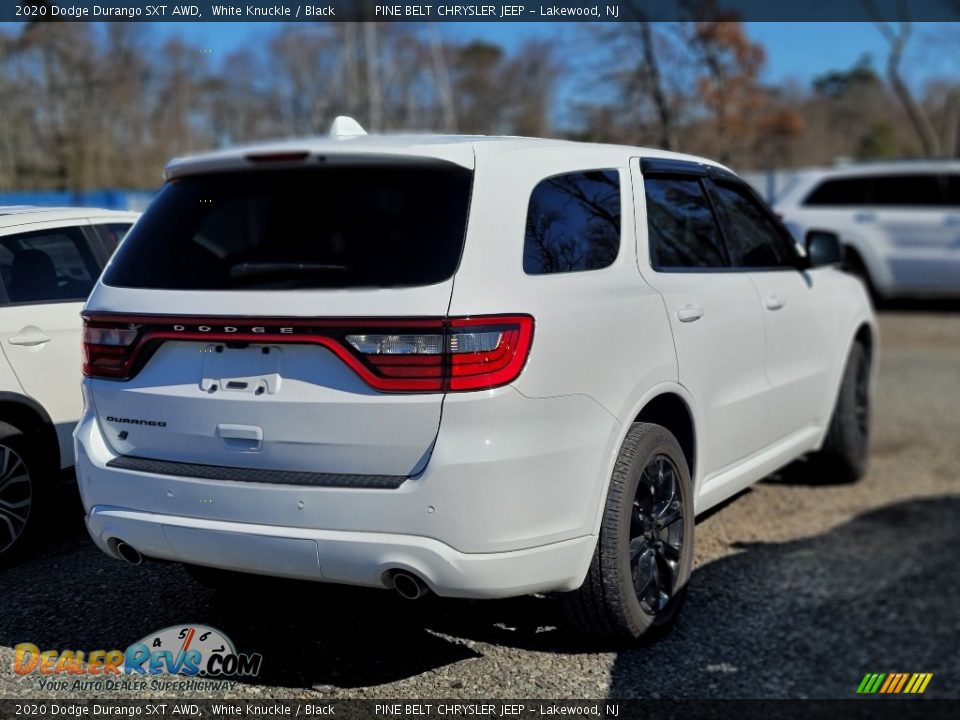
x,y
668,404
671,411
28,416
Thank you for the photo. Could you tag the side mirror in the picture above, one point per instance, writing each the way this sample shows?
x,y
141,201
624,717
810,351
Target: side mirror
x,y
823,248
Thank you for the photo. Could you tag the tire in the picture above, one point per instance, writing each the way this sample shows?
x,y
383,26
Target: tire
x,y
646,534
843,458
22,495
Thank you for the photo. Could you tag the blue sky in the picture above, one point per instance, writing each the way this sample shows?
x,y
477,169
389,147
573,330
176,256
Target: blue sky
x,y
797,51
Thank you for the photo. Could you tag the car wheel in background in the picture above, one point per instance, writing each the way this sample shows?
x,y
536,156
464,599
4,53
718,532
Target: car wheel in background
x,y
640,568
21,496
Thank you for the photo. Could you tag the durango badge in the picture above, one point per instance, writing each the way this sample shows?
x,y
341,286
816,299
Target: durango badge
x,y
137,421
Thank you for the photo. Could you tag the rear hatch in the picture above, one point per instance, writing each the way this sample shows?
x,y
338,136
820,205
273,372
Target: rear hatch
x,y
284,318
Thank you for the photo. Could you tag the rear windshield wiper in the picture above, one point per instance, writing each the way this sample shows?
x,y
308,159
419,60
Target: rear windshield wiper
x,y
255,269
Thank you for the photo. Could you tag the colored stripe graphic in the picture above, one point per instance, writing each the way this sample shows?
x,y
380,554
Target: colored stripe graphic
x,y
894,683
870,683
903,679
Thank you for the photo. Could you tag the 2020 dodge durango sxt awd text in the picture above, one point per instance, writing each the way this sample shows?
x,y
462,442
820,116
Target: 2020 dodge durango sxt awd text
x,y
481,366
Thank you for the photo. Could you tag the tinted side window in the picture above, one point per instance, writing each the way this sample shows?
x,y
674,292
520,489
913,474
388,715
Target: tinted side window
x,y
753,237
914,190
953,191
573,223
682,230
47,266
847,191
908,191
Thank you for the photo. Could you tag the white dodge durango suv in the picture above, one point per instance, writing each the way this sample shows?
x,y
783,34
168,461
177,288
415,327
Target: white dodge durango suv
x,y
481,367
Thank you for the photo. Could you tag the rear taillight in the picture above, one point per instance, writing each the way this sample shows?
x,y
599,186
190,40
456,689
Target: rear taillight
x,y
391,355
107,349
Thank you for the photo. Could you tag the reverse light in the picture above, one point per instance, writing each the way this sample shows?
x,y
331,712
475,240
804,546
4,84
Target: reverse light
x,y
390,355
397,344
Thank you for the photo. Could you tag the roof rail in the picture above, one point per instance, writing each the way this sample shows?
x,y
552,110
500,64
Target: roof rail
x,y
344,126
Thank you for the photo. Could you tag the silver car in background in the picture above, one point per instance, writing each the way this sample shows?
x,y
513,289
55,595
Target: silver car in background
x,y
899,222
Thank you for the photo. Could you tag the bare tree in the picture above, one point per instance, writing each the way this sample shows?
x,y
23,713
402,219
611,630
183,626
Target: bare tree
x,y
444,87
897,36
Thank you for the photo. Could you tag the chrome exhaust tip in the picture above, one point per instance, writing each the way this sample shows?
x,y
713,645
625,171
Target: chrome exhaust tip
x,y
409,586
128,553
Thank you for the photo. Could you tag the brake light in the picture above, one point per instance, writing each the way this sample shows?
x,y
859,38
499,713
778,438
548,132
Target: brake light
x,y
278,157
390,355
106,349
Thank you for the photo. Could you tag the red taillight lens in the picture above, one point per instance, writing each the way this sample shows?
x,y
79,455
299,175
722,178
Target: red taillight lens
x,y
465,354
488,352
391,355
108,349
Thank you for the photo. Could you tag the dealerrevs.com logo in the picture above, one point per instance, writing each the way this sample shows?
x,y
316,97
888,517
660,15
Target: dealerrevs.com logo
x,y
196,651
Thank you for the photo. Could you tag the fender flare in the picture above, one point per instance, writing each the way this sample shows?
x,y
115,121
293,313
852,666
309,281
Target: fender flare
x,y
670,387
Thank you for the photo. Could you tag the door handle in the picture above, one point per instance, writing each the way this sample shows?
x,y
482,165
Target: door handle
x,y
865,217
29,337
689,313
952,220
774,302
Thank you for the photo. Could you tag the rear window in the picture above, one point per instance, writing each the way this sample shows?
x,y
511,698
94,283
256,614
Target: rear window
x,y
334,227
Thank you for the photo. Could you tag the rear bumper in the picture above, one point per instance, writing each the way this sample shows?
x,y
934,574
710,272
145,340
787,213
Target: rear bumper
x,y
343,557
507,505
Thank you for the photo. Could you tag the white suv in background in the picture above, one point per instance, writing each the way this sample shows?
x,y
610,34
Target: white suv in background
x,y
49,261
482,367
899,223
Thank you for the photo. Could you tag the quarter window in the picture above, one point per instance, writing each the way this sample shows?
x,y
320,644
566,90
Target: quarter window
x,y
681,227
573,223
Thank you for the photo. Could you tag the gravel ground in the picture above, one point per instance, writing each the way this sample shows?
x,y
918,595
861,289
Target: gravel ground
x,y
799,588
